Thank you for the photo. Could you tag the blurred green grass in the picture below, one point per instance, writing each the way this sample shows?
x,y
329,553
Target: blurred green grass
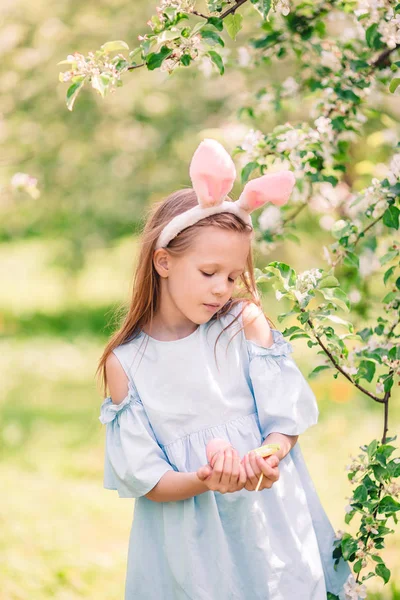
x,y
63,535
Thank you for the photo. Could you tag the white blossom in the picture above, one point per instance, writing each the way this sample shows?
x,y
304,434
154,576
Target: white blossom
x,y
330,60
244,56
354,296
250,144
270,218
290,87
25,182
290,140
354,590
339,534
390,31
283,6
350,370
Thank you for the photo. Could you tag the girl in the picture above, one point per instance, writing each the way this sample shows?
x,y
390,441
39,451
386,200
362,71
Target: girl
x,y
197,379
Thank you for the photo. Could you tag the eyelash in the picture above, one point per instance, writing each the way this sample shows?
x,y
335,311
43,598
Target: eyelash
x,y
211,274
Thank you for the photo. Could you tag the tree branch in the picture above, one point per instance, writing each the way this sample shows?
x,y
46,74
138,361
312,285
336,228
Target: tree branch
x,y
380,61
233,9
339,368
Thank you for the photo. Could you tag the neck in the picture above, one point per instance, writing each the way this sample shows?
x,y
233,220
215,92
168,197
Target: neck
x,y
169,323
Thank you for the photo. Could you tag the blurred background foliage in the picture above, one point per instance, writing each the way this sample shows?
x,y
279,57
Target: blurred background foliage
x,y
66,260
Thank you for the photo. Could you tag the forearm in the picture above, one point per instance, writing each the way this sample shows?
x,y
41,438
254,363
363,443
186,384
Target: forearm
x,y
286,442
175,486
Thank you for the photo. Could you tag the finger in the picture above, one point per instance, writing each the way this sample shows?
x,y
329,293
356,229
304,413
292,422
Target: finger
x,y
272,460
218,468
204,472
227,471
242,476
235,468
250,473
270,474
254,465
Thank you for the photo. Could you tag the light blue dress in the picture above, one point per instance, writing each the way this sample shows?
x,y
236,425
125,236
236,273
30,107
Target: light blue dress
x,y
275,544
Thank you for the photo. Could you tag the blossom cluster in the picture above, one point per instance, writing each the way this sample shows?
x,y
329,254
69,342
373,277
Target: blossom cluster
x,y
303,146
94,66
182,46
26,183
370,12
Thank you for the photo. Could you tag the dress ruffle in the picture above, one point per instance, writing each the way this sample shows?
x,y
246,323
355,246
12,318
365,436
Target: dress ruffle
x,y
109,410
280,347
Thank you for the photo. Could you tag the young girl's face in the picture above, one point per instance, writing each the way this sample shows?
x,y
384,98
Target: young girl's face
x,y
203,279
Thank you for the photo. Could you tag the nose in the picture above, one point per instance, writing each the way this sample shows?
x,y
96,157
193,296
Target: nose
x,y
220,287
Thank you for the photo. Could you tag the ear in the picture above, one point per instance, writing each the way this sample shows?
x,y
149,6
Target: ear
x,y
162,262
273,187
212,172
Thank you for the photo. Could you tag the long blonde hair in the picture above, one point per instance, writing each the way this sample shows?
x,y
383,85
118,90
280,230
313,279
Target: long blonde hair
x,y
145,297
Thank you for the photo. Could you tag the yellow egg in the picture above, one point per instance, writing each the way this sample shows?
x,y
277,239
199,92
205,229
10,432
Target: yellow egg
x,y
266,450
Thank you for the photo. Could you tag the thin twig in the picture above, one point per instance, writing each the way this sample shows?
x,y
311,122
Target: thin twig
x,y
294,214
339,368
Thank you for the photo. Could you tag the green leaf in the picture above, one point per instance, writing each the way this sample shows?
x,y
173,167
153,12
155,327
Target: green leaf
x,y
210,35
186,59
100,84
389,297
247,171
360,494
328,282
357,566
351,260
72,93
372,448
349,545
383,572
366,370
331,596
394,84
114,46
155,59
388,505
216,22
168,35
283,271
233,24
291,330
217,60
388,274
391,217
317,370
263,7
388,256
372,36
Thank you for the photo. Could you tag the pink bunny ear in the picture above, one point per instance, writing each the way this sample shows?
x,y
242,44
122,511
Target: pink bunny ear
x,y
212,172
273,187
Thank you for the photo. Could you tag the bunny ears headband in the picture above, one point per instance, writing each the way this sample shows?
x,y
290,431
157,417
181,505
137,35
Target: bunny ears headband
x,y
213,173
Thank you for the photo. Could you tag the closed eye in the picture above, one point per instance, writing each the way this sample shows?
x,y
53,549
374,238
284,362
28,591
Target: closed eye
x,y
211,274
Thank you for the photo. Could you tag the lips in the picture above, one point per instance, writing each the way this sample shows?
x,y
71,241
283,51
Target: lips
x,y
213,305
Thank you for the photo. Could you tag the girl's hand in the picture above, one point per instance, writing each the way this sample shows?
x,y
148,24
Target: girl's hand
x,y
226,475
255,465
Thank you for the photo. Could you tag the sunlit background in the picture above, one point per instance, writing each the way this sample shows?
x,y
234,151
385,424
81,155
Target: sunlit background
x,y
66,261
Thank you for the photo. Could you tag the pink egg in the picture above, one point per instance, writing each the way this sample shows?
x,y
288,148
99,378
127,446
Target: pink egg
x,y
214,446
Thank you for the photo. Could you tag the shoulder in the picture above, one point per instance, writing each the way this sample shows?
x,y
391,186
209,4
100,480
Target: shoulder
x,y
255,325
117,381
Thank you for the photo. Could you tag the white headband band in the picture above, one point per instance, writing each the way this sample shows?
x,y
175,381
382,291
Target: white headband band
x,y
213,174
